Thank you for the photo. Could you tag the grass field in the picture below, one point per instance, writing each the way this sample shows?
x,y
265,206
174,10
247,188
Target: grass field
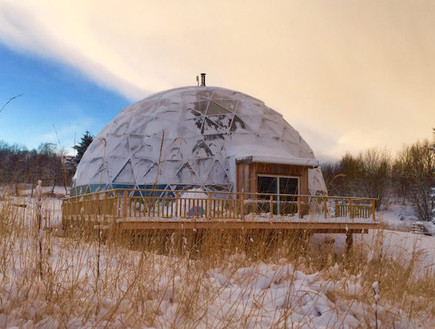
x,y
82,279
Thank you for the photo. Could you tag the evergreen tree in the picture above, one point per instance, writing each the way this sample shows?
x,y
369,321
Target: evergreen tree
x,y
83,146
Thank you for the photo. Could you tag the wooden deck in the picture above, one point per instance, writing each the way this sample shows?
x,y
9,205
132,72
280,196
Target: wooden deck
x,y
153,210
313,227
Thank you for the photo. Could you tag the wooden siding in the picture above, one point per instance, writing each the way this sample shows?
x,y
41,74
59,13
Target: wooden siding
x,y
247,173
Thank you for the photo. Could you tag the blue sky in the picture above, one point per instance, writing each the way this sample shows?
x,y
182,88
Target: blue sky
x,y
348,75
54,96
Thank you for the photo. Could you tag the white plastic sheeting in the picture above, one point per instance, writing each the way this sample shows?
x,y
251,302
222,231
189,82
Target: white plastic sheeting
x,y
190,137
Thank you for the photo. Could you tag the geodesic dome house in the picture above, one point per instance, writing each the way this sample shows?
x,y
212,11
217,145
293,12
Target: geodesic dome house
x,y
199,137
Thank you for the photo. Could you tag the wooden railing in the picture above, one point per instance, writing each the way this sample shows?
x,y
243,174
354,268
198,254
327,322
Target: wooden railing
x,y
130,204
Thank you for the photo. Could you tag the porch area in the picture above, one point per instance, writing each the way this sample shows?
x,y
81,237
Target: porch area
x,y
133,209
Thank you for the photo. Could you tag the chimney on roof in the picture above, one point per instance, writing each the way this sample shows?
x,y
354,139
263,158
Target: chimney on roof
x,y
203,79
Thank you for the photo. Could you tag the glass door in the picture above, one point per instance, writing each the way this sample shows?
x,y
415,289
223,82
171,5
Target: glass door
x,y
269,184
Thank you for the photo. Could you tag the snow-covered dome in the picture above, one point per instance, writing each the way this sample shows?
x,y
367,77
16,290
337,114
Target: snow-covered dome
x,y
190,137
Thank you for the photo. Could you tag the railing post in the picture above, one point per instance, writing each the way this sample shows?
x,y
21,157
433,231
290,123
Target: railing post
x,y
176,203
124,209
242,207
209,205
325,208
373,210
190,209
105,205
87,206
336,208
116,214
350,209
271,206
299,206
183,212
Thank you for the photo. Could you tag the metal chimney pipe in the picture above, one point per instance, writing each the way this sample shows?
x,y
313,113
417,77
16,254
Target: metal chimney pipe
x,y
203,79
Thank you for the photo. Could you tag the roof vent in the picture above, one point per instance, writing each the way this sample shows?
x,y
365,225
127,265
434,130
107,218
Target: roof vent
x,y
203,79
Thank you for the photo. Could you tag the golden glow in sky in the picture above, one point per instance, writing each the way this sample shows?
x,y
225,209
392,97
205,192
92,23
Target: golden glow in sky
x,y
348,75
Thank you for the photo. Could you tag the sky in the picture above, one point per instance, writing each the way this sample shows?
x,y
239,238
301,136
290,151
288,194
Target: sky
x,y
348,75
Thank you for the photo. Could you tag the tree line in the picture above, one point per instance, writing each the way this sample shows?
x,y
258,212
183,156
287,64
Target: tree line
x,y
19,165
407,177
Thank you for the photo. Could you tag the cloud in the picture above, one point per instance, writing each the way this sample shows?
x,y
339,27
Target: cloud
x,y
360,72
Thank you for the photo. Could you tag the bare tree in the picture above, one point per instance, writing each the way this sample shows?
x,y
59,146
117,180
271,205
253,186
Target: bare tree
x,y
375,179
368,174
414,170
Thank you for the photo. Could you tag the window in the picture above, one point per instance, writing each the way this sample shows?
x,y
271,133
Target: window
x,y
267,184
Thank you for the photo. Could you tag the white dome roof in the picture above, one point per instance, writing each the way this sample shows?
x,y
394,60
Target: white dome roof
x,y
190,137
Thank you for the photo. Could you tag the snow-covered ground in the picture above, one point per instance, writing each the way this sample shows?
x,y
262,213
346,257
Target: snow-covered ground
x,y
147,290
154,291
403,245
401,217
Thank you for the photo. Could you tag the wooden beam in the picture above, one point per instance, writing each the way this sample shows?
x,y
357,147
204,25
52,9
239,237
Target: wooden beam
x,y
319,227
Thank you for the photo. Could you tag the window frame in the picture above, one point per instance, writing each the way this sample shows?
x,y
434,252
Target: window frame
x,y
278,186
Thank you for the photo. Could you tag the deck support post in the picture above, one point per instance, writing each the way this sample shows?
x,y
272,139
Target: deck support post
x,y
349,242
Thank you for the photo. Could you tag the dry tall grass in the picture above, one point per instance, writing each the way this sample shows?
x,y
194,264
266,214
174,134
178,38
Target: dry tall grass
x,y
200,280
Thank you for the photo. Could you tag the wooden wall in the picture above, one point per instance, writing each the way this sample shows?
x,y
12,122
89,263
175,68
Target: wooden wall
x,y
247,174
